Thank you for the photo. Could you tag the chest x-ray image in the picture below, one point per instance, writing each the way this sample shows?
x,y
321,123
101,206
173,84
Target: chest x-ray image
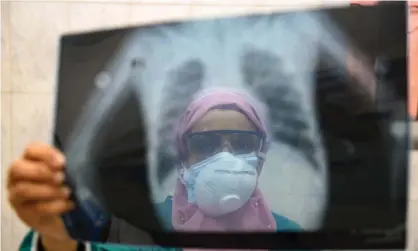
x,y
265,123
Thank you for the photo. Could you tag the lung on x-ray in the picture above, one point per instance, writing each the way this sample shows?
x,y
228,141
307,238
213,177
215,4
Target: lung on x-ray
x,y
258,131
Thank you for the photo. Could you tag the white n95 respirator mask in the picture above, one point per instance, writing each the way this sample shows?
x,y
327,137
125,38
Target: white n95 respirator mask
x,y
222,183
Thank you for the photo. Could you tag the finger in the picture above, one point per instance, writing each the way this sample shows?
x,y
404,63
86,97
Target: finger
x,y
45,153
54,207
21,170
23,192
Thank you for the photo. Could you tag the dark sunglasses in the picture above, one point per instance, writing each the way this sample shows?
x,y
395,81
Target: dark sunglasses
x,y
207,143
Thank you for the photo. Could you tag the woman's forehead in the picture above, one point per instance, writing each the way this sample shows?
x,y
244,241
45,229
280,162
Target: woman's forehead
x,y
223,120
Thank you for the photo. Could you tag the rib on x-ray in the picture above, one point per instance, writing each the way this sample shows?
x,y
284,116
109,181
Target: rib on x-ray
x,y
337,156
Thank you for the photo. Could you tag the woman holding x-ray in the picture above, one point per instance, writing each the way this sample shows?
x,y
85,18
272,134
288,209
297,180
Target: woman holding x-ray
x,y
222,140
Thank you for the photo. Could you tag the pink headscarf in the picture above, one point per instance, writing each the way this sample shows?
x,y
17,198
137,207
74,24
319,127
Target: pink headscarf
x,y
255,215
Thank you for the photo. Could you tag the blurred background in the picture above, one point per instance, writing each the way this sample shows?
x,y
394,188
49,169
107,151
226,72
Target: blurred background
x,y
30,33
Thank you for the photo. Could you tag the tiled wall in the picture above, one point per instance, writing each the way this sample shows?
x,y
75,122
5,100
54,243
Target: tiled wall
x,y
29,37
413,61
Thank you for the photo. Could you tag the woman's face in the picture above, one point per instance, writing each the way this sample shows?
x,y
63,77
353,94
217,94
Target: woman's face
x,y
222,130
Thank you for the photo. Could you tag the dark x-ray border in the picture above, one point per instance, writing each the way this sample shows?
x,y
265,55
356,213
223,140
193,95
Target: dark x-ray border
x,y
377,240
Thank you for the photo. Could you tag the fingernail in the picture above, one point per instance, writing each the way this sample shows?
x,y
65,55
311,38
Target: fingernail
x,y
60,159
59,177
66,191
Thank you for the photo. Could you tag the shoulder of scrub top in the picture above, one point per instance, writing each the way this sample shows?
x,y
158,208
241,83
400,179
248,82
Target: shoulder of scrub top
x,y
285,224
164,211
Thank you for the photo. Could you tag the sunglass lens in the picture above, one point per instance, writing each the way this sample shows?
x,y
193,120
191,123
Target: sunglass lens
x,y
245,143
204,145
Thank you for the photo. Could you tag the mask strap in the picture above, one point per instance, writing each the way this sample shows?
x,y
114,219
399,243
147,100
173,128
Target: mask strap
x,y
261,155
181,172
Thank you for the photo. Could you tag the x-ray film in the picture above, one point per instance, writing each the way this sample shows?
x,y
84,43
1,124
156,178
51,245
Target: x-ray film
x,y
261,131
